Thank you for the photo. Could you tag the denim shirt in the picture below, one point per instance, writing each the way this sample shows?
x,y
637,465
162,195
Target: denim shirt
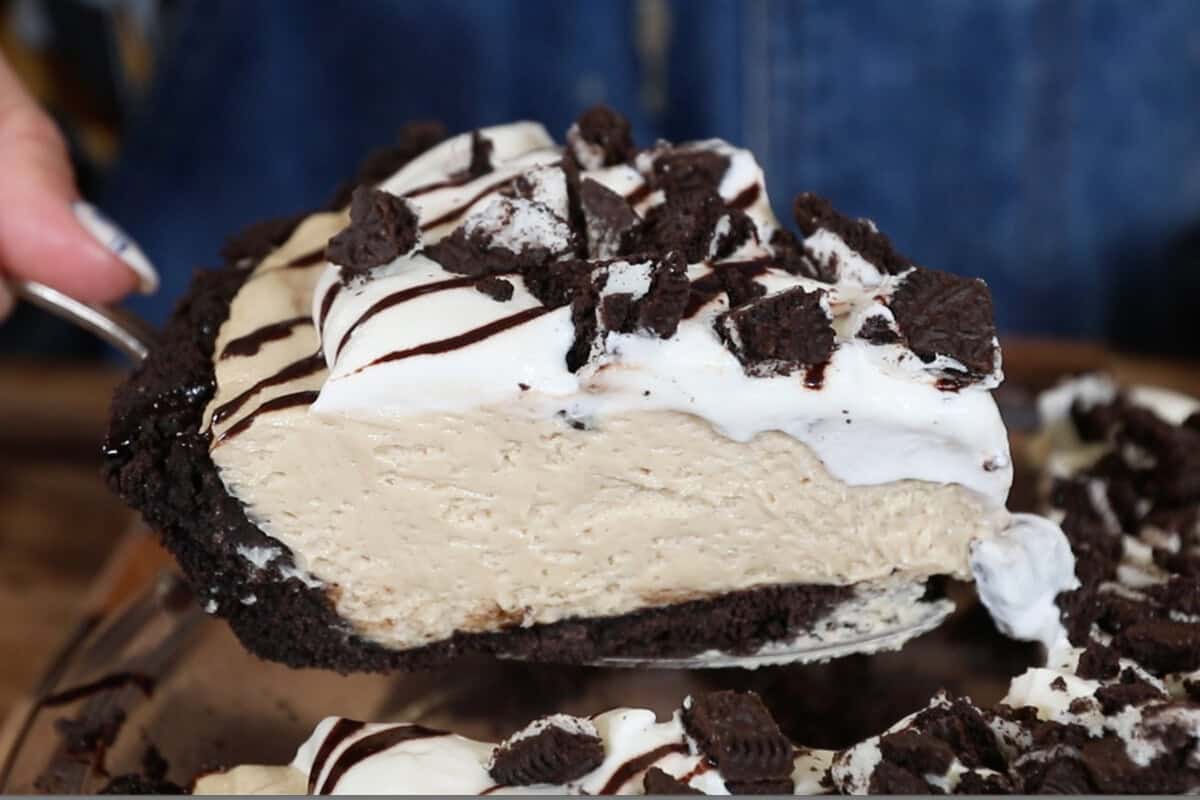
x,y
1051,147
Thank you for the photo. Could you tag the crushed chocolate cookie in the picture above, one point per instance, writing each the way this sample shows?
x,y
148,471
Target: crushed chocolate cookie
x,y
890,779
813,213
412,140
686,222
939,313
682,170
963,728
552,755
496,288
1117,696
1098,662
737,734
1162,645
555,283
878,329
775,335
133,784
256,240
609,135
608,219
90,738
655,781
655,310
778,786
1175,475
1058,684
795,258
916,752
382,228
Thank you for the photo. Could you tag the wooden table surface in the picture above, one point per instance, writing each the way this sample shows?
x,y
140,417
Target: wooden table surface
x,y
58,522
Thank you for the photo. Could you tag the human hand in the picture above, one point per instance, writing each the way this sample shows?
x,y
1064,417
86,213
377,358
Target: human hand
x,y
47,233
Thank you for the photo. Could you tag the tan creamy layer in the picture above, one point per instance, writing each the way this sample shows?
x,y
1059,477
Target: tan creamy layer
x,y
466,522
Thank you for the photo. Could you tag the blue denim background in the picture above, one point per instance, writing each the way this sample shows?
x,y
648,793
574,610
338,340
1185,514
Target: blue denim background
x,y
1050,147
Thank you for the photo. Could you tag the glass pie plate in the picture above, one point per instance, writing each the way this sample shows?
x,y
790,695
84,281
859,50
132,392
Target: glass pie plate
x,y
147,676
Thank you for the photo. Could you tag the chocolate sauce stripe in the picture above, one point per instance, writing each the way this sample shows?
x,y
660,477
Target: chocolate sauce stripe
x,y
326,304
252,342
306,398
302,368
462,208
640,193
371,745
632,767
463,339
342,730
309,259
395,299
707,287
746,197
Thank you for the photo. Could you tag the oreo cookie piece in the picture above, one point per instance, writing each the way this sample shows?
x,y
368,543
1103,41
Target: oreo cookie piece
x,y
1117,696
498,289
258,239
687,222
1098,662
960,725
941,314
412,140
601,137
517,230
888,778
679,170
556,749
878,329
737,734
778,334
655,781
916,752
382,227
608,219
556,283
627,297
813,213
795,258
1175,474
1162,645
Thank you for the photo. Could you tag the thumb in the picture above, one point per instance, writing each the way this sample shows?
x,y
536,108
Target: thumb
x,y
46,233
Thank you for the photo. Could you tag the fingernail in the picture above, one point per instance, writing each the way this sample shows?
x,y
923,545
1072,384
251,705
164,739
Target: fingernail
x,y
6,302
105,231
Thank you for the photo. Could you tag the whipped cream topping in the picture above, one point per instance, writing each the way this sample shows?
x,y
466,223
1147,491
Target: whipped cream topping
x,y
415,338
346,757
1020,572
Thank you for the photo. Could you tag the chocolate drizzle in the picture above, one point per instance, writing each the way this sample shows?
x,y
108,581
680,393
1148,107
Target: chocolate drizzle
x,y
304,367
463,339
309,259
746,197
624,773
326,304
462,208
707,287
342,730
371,745
277,404
395,299
252,342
